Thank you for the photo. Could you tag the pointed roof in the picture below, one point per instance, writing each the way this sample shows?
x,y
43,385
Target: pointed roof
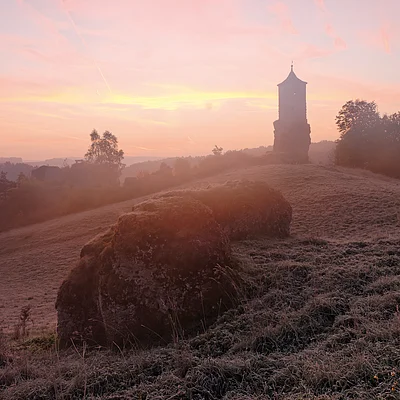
x,y
292,77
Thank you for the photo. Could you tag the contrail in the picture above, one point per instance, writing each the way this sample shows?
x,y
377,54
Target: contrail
x,y
191,141
84,44
142,148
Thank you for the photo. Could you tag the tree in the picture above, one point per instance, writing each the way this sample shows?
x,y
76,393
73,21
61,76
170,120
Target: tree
x,y
217,151
357,114
357,122
5,184
104,150
392,121
367,140
165,170
22,179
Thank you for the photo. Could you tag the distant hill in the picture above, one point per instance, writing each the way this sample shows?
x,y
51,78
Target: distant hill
x,y
322,152
129,160
153,165
13,170
54,162
319,153
13,160
60,162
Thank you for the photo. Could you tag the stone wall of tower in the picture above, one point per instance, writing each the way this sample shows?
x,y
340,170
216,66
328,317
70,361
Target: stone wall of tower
x,y
292,102
292,131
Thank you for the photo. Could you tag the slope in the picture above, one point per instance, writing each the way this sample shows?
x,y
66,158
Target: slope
x,y
335,204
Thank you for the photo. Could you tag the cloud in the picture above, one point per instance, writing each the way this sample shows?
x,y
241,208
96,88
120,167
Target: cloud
x,y
74,137
184,99
51,27
198,19
329,30
191,141
143,148
379,39
174,148
308,51
338,42
320,4
83,41
282,12
144,121
179,67
35,45
174,99
386,39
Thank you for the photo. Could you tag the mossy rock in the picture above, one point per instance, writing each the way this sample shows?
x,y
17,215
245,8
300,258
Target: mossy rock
x,y
162,272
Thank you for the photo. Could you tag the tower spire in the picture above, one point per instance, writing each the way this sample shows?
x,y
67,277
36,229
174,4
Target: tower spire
x,y
291,67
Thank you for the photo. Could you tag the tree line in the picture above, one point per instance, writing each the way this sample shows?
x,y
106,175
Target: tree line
x,y
367,139
95,181
52,192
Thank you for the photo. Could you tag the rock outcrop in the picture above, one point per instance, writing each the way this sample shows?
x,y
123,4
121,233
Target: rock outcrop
x,y
163,271
166,270
246,209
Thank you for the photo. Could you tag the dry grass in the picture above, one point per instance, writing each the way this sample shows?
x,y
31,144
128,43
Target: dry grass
x,y
321,320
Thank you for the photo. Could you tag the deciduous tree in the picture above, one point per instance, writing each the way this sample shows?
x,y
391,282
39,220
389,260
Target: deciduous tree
x,y
217,151
359,114
104,150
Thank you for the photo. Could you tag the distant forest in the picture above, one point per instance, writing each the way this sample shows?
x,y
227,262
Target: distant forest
x,y
320,153
32,194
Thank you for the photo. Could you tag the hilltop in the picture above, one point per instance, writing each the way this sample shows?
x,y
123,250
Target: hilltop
x,y
321,320
319,153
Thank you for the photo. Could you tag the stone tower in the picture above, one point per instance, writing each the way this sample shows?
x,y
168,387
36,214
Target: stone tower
x,y
292,131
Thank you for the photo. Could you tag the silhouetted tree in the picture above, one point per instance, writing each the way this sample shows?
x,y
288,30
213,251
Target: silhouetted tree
x,y
104,150
21,179
358,113
368,140
217,151
165,171
13,170
5,184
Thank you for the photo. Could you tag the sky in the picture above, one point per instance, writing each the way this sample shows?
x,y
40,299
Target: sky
x,y
176,77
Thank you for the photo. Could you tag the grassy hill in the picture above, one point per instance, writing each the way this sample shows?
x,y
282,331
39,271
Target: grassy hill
x,y
319,153
321,317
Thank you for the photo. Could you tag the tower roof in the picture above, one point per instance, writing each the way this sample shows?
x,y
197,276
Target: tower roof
x,y
291,78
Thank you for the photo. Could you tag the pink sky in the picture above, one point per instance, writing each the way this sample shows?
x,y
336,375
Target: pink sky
x,y
176,77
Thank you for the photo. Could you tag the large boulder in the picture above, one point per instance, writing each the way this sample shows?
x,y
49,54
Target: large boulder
x,y
166,270
162,272
245,209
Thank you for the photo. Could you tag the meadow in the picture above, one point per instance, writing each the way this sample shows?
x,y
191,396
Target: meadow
x,y
319,318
